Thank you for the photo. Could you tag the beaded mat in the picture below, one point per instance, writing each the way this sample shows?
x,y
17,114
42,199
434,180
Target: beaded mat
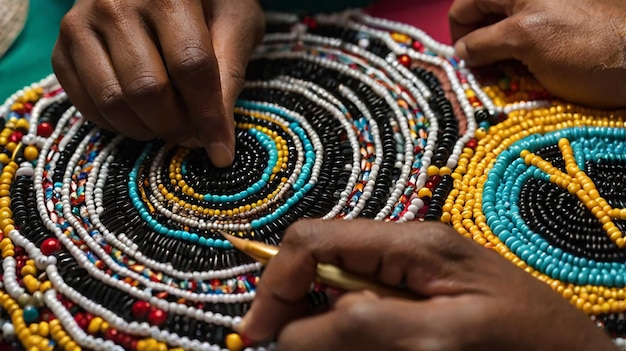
x,y
110,244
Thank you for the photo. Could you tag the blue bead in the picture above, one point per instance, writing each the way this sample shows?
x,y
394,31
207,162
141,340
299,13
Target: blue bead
x,y
555,273
31,314
549,269
619,280
219,244
608,280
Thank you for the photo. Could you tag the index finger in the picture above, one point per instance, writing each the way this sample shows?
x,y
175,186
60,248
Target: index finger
x,y
190,60
465,16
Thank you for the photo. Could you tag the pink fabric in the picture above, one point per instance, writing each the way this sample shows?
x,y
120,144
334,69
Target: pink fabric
x,y
428,15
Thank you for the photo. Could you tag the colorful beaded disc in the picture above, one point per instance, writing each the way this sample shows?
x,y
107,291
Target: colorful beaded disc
x,y
112,244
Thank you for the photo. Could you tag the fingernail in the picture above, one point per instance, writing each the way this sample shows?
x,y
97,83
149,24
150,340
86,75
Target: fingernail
x,y
220,154
460,51
239,327
371,294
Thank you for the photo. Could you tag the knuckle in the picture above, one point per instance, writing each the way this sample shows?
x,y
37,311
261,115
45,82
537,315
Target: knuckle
x,y
110,98
299,234
357,318
113,9
70,23
59,61
529,23
143,87
193,60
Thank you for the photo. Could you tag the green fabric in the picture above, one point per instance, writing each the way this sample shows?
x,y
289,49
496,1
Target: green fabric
x,y
28,59
310,6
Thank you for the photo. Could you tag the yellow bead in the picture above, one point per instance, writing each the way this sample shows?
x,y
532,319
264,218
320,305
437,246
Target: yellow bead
x,y
45,286
31,153
94,325
44,329
31,283
22,124
5,242
432,170
151,344
234,342
11,146
72,346
141,345
480,133
424,193
28,270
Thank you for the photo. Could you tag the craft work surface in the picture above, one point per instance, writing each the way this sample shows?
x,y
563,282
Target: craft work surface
x,y
111,244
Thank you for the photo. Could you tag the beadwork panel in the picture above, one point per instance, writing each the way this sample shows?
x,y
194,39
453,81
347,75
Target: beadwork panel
x,y
111,244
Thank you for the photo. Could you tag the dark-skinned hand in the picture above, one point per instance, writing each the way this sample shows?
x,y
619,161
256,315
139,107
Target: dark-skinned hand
x,y
575,48
473,299
160,68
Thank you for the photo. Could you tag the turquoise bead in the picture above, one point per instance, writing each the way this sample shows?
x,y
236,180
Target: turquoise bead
x,y
31,314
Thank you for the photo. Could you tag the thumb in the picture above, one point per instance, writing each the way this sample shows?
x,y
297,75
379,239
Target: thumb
x,y
496,42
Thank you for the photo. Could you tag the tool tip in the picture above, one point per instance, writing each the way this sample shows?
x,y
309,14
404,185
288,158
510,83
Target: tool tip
x,y
237,242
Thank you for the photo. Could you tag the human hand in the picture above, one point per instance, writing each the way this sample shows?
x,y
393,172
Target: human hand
x,y
160,68
473,298
574,48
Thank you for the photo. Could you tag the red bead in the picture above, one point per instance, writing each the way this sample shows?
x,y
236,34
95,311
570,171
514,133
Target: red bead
x,y
125,340
472,143
46,315
310,22
435,179
423,210
404,60
157,317
140,309
111,334
417,46
81,320
50,246
44,129
16,136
